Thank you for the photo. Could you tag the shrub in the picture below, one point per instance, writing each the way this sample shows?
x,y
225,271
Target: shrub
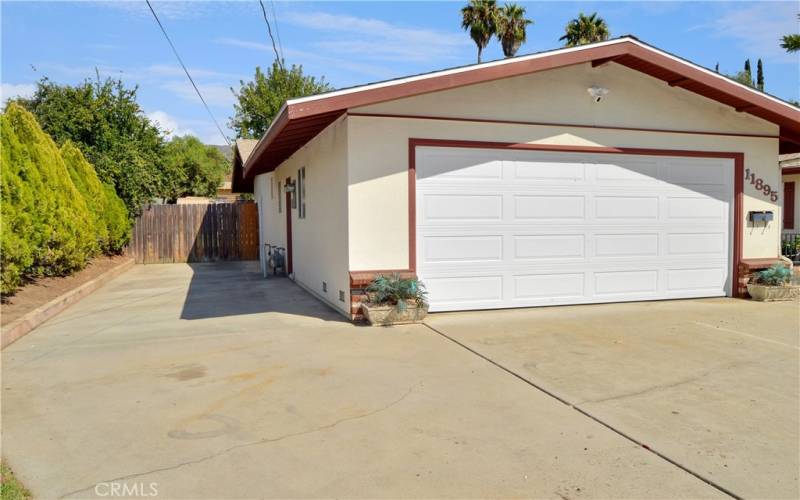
x,y
109,216
397,291
46,226
776,275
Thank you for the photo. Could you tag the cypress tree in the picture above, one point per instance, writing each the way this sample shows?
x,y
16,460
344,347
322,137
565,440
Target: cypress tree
x,y
747,72
716,68
760,75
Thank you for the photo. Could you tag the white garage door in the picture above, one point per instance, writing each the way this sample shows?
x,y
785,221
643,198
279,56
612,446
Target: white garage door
x,y
499,229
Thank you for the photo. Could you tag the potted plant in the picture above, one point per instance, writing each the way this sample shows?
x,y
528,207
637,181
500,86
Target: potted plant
x,y
394,300
773,284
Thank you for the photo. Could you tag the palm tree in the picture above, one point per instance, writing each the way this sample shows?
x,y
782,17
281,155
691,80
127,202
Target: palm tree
x,y
511,25
791,42
585,29
479,17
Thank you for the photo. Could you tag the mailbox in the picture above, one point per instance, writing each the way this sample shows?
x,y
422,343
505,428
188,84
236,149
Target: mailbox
x,y
763,216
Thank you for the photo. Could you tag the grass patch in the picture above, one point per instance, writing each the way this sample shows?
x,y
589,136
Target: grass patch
x,y
10,487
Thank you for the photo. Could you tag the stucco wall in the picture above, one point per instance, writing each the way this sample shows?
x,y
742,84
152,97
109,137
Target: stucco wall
x,y
320,239
796,179
378,147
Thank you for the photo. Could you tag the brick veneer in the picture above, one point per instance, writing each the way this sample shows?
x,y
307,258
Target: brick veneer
x,y
749,266
358,283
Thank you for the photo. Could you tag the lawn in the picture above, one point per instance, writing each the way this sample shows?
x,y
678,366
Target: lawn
x,y
10,487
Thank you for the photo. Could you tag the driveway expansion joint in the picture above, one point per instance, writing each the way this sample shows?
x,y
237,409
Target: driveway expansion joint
x,y
574,406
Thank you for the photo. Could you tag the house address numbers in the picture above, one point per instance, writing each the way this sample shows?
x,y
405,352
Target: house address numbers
x,y
760,185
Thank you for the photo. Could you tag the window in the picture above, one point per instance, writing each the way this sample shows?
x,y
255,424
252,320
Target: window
x,y
788,205
301,193
280,202
271,188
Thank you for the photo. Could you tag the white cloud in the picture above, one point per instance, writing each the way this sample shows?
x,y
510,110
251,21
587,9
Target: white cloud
x,y
758,28
164,9
168,124
12,90
244,44
380,40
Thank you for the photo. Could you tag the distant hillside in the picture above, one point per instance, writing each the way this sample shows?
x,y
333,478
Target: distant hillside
x,y
225,150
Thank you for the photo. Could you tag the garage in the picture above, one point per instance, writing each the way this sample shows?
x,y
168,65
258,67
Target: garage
x,y
499,229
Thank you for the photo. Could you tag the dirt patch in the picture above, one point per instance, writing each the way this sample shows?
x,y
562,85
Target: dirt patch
x,y
41,291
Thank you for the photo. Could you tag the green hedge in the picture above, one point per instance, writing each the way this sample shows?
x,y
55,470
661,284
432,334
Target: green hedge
x,y
109,215
48,228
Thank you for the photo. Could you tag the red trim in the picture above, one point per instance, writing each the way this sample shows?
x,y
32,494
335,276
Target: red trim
x,y
738,160
788,205
289,268
790,171
570,125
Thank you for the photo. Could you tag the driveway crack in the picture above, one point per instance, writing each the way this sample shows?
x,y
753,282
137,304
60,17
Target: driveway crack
x,y
245,445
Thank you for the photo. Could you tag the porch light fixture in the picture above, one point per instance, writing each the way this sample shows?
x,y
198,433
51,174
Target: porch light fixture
x,y
597,93
289,187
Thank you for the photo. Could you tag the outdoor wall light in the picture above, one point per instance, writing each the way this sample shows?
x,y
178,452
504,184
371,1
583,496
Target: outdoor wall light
x,y
289,187
597,93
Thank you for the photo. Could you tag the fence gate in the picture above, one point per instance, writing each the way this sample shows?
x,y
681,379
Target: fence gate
x,y
195,233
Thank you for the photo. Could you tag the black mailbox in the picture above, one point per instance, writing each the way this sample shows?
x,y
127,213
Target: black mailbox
x,y
763,216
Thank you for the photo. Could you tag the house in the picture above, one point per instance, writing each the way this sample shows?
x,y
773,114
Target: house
x,y
790,173
603,173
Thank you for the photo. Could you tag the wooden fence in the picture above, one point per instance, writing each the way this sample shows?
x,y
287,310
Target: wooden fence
x,y
195,233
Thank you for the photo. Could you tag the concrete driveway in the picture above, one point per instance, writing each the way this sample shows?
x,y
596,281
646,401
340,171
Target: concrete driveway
x,y
207,381
711,384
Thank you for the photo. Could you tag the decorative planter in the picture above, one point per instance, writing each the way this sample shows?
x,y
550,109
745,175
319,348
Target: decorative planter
x,y
390,314
766,293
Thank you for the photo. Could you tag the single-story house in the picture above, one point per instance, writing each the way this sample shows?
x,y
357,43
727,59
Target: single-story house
x,y
790,202
608,172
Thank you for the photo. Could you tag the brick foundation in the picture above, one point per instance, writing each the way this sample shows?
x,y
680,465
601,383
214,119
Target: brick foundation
x,y
748,267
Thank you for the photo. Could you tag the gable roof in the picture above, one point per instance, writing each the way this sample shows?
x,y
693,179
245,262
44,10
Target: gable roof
x,y
301,119
242,149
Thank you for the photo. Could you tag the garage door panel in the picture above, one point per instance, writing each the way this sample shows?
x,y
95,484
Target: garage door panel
x,y
549,246
467,289
462,248
710,279
625,172
626,282
604,228
697,208
453,207
626,207
539,286
549,207
547,171
626,245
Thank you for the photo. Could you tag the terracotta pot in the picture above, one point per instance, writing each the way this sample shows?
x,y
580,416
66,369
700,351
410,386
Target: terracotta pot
x,y
390,314
766,293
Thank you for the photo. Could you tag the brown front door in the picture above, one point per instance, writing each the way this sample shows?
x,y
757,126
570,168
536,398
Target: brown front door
x,y
288,229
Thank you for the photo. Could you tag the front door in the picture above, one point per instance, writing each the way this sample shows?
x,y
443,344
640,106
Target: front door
x,y
288,228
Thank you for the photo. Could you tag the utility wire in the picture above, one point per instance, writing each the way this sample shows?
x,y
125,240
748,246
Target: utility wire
x,y
185,70
269,30
277,29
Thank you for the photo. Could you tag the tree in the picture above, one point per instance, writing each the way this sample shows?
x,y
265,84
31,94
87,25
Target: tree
x,y
259,101
760,76
791,42
47,228
194,168
479,17
585,29
511,28
716,68
748,72
103,119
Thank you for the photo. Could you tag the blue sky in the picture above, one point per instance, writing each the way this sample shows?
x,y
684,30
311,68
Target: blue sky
x,y
348,42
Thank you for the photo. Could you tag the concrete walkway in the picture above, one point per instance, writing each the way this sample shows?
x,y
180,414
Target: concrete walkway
x,y
207,381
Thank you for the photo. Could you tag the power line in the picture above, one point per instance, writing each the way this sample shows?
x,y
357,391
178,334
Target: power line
x,y
185,70
269,30
277,28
